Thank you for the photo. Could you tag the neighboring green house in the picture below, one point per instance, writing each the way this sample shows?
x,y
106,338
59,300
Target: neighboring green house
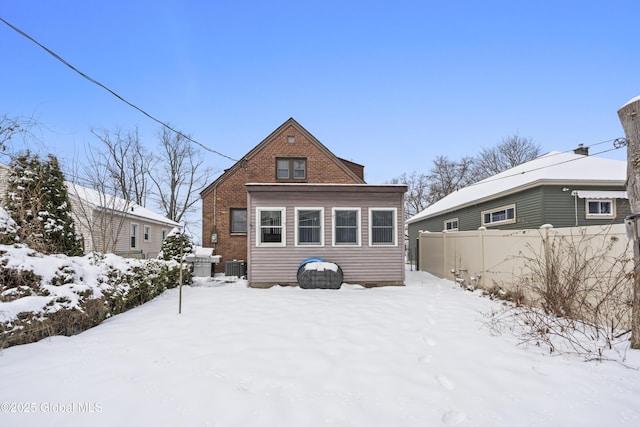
x,y
561,189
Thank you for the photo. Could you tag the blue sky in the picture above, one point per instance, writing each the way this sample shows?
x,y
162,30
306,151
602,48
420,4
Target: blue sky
x,y
390,85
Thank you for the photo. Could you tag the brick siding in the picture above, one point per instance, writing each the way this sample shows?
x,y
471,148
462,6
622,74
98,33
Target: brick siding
x,y
260,167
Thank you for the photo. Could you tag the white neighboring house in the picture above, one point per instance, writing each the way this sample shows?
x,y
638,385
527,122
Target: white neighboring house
x,y
110,224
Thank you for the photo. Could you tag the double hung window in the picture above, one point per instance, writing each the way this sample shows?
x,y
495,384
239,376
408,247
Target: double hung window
x,y
291,168
346,226
271,227
382,229
238,220
309,229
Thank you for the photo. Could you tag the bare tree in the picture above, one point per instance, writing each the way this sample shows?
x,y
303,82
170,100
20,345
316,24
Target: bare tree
x,y
99,215
417,196
512,151
447,176
178,175
126,162
14,126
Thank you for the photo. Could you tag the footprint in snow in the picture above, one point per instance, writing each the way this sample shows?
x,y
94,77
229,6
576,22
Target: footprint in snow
x,y
452,417
445,382
430,341
425,359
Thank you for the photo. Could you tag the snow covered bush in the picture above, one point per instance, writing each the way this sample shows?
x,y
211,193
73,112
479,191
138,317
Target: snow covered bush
x,y
38,202
44,295
574,296
175,246
8,228
142,283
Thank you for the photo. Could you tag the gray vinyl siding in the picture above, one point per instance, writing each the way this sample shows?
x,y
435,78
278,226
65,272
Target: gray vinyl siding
x,y
536,206
362,264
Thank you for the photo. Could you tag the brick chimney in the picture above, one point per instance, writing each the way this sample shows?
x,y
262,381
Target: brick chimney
x,y
582,150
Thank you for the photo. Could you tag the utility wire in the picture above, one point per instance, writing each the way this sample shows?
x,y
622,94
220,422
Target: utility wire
x,y
617,144
59,58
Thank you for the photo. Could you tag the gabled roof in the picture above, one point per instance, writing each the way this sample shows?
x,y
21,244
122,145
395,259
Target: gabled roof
x,y
98,200
343,164
558,168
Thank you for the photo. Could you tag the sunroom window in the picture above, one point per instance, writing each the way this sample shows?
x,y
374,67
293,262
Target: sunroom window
x,y
309,226
382,226
271,230
346,226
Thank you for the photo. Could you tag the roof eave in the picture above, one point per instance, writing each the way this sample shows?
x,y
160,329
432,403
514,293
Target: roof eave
x,y
527,186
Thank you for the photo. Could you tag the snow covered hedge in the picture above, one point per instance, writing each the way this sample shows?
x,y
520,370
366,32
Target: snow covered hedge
x,y
44,295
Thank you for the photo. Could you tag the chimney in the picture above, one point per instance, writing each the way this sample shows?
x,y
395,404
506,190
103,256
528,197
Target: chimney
x,y
582,150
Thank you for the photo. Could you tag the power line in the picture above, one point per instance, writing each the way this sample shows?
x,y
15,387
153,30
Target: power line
x,y
59,58
617,144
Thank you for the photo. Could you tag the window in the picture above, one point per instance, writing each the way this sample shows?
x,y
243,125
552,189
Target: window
x,y
292,169
451,224
238,220
603,208
271,231
346,226
164,233
134,235
147,233
503,215
382,226
309,226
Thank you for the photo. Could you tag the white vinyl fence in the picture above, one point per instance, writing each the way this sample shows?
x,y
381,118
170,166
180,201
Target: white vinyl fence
x,y
498,258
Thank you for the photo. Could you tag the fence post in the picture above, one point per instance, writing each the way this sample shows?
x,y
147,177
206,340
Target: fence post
x,y
417,255
445,273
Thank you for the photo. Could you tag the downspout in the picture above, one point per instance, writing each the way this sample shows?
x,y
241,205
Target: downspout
x,y
574,193
215,216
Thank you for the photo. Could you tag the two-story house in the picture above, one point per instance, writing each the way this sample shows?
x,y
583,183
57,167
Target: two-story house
x,y
290,154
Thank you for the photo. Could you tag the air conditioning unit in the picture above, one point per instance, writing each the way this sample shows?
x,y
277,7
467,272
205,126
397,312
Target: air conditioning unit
x,y
235,268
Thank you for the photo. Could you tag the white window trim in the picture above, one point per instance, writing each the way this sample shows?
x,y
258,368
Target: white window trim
x,y
600,216
164,234
132,234
501,208
283,213
446,221
395,228
147,236
358,225
297,211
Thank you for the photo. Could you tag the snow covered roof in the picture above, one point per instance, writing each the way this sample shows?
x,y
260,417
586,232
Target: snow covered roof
x,y
552,168
106,201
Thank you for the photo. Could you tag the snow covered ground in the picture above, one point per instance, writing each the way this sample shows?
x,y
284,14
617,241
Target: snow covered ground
x,y
418,355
